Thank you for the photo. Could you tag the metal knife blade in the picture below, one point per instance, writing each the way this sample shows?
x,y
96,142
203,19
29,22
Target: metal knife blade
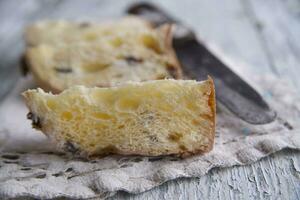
x,y
198,62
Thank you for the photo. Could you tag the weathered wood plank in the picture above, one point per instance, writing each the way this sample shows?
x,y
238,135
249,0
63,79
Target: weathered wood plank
x,y
274,177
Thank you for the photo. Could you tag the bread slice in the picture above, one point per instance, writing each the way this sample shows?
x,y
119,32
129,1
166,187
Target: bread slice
x,y
62,54
162,117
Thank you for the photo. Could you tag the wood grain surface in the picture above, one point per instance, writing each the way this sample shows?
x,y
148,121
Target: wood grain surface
x,y
263,34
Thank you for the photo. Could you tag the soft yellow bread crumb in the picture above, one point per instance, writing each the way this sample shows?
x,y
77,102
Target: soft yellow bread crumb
x,y
62,54
163,117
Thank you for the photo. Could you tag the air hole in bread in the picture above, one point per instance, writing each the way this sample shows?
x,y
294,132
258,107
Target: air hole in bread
x,y
161,76
196,122
116,41
191,105
128,104
121,126
94,66
66,116
151,42
175,137
91,36
51,104
102,116
206,116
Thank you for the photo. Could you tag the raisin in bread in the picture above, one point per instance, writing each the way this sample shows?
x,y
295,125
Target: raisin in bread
x,y
62,54
161,117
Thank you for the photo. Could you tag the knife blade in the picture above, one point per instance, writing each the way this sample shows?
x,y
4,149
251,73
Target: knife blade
x,y
198,62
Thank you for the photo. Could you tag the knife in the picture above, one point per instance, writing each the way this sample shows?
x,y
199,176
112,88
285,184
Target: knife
x,y
198,62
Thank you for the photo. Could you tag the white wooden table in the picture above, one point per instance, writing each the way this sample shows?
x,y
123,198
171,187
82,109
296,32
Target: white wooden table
x,y
263,34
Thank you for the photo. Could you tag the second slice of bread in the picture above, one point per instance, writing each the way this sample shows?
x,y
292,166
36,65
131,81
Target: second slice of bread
x,y
62,54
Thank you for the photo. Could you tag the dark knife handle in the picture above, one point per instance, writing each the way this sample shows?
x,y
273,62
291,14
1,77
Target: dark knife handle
x,y
158,17
151,13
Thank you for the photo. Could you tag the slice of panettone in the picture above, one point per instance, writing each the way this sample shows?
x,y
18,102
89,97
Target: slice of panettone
x,y
62,54
162,117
